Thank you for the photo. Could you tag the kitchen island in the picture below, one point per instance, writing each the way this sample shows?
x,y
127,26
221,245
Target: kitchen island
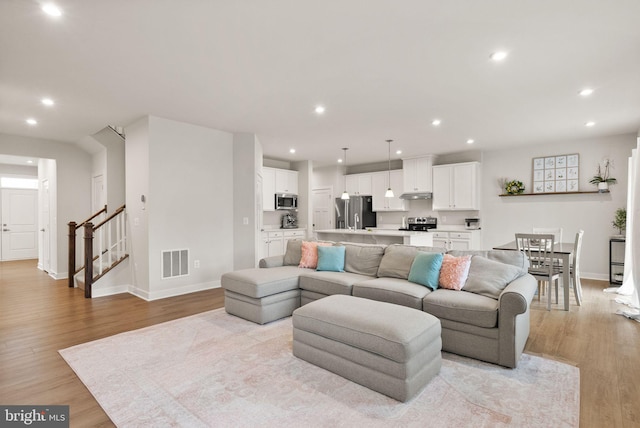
x,y
377,236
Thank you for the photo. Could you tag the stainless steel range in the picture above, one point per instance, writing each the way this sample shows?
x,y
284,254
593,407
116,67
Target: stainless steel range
x,y
422,224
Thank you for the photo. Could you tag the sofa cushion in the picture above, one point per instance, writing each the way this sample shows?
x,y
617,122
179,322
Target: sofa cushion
x,y
330,282
294,252
425,269
488,277
309,257
331,259
515,258
259,282
363,258
454,271
462,306
392,290
397,260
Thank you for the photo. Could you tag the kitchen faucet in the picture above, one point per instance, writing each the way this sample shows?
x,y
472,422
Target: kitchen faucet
x,y
356,219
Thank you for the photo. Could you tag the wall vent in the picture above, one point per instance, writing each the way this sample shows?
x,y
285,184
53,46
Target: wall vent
x,y
175,263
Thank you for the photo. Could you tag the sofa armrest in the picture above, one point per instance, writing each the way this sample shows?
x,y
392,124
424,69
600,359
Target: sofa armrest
x,y
513,319
273,261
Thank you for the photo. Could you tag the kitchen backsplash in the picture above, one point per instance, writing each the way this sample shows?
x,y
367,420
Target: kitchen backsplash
x,y
422,208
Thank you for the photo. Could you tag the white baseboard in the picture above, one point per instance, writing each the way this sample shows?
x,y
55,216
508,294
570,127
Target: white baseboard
x,y
172,292
109,291
56,275
596,276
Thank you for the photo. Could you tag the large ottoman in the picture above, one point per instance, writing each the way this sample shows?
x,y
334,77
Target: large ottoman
x,y
262,295
389,348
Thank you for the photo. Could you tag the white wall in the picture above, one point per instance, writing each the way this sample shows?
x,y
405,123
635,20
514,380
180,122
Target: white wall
x,y
502,217
186,174
73,179
247,162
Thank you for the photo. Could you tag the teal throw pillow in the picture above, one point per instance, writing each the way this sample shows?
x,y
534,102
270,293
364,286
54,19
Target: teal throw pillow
x,y
425,269
331,259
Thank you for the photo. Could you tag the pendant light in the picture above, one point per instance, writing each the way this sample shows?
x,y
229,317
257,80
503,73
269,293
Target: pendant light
x,y
389,192
345,194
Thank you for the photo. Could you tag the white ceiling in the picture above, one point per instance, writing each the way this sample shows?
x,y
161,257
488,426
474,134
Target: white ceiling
x,y
383,69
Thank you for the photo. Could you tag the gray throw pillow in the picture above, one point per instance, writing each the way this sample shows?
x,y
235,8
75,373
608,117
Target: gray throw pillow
x,y
294,252
363,259
488,277
397,260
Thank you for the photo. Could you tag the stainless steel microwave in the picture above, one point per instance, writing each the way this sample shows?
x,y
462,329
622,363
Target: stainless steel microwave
x,y
286,201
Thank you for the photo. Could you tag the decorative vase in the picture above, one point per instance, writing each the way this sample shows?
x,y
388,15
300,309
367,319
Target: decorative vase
x,y
603,187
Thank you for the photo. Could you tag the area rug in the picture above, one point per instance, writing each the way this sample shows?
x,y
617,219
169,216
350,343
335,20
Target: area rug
x,y
217,370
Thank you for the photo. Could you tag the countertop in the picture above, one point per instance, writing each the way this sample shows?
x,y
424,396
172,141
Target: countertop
x,y
373,231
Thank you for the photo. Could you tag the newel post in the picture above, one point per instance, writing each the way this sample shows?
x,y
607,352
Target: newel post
x,y
88,259
71,267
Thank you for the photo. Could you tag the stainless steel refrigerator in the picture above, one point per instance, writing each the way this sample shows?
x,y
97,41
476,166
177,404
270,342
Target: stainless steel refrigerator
x,y
355,212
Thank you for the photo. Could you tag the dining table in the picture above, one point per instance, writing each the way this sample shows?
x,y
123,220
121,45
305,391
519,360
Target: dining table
x,y
562,251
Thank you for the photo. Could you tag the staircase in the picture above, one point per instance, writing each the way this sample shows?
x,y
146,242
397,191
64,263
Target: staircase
x,y
104,247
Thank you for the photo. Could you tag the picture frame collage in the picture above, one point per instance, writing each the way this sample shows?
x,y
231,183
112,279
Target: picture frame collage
x,y
556,174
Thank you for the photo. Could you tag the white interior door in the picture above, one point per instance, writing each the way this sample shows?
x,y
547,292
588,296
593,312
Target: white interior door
x,y
99,197
19,224
322,202
46,233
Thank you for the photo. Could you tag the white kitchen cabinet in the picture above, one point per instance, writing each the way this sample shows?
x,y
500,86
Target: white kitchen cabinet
x,y
359,184
268,189
275,241
455,240
417,174
456,186
274,181
286,181
380,183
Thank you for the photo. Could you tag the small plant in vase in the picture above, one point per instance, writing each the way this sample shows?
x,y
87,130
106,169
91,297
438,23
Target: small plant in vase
x,y
620,221
603,176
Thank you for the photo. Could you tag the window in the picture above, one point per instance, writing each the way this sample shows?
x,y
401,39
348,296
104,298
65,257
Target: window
x,y
18,183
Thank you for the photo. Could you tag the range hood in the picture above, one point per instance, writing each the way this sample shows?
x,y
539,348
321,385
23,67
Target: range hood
x,y
416,195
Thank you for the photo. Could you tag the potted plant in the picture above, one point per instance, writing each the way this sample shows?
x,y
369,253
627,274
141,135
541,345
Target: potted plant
x,y
603,176
620,221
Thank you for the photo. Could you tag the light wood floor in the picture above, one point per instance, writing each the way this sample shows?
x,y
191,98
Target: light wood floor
x,y
39,316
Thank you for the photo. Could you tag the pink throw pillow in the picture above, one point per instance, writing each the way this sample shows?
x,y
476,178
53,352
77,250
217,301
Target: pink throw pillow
x,y
309,257
454,271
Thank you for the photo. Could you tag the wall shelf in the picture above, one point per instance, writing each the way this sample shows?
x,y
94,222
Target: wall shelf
x,y
552,193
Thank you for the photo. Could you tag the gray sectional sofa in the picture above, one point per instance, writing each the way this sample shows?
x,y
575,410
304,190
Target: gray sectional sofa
x,y
488,319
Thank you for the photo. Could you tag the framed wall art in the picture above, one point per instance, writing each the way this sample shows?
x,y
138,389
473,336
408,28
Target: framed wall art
x,y
556,174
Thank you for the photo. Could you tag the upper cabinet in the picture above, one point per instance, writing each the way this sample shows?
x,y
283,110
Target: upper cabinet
x,y
380,183
274,181
286,181
417,174
359,184
456,186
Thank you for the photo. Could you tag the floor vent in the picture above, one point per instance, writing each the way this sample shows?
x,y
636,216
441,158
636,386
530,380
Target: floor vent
x,y
175,263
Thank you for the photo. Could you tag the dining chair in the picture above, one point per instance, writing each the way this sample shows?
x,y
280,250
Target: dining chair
x,y
575,268
556,231
539,250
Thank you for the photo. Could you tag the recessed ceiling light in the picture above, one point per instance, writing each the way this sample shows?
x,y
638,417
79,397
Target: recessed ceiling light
x,y
471,141
47,101
51,9
320,109
436,122
292,151
339,160
398,152
29,161
31,121
590,123
498,55
586,92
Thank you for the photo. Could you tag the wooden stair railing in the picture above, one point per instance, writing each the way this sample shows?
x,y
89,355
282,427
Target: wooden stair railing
x,y
115,245
73,227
